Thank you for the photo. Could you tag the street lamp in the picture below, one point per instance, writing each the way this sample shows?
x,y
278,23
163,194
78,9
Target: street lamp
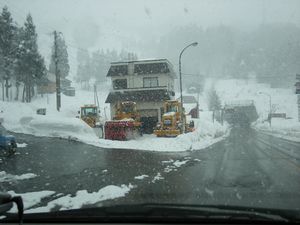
x,y
180,81
270,105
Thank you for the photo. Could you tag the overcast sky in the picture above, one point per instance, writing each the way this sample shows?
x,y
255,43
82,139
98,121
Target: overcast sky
x,y
115,23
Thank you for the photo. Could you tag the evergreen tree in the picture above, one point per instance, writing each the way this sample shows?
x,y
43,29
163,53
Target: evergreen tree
x,y
30,63
214,102
2,74
62,57
84,71
97,65
7,47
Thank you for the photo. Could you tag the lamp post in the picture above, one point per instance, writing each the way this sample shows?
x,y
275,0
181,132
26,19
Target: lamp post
x,y
180,81
270,106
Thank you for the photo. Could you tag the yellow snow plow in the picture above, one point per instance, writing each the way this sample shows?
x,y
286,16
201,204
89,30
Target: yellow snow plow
x,y
171,124
90,115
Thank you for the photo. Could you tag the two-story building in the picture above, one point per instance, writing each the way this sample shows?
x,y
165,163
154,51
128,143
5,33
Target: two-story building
x,y
147,82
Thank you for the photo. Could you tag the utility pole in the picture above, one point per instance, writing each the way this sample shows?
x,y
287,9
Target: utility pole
x,y
57,74
298,93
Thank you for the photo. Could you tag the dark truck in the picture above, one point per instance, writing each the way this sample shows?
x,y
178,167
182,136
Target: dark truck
x,y
241,112
8,144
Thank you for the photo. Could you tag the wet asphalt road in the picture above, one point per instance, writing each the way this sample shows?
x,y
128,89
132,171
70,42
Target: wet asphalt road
x,y
247,168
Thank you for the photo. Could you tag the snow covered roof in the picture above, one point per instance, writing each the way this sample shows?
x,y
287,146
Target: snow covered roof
x,y
141,61
239,103
188,99
143,95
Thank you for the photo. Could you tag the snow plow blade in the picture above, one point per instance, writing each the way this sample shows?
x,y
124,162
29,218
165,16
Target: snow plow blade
x,y
166,133
122,130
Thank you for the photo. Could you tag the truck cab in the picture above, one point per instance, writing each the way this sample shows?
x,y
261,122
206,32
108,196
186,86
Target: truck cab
x,y
90,115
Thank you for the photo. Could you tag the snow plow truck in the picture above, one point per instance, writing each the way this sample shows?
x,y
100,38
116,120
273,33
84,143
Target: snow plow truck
x,y
126,123
171,124
90,115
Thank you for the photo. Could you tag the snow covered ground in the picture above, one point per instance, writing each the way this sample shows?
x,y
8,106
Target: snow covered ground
x,y
284,128
22,118
82,197
284,100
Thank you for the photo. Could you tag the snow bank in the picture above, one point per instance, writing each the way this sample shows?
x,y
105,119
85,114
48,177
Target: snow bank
x,y
22,118
6,177
84,198
206,133
284,128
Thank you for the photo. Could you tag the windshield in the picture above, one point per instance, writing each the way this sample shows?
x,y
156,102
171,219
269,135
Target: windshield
x,y
171,108
127,108
92,111
70,68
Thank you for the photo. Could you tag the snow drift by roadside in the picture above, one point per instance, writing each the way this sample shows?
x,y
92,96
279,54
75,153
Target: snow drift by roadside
x,y
284,128
206,134
54,124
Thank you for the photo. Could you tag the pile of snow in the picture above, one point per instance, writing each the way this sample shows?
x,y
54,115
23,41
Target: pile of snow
x,y
54,124
21,145
30,199
6,177
206,133
82,198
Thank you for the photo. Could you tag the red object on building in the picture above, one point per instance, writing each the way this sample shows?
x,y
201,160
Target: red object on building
x,y
194,112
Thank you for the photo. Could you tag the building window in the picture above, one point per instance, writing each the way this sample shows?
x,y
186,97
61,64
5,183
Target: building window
x,y
120,70
151,68
150,82
120,84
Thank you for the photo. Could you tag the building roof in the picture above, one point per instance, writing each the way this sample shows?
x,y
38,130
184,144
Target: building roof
x,y
143,95
142,67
